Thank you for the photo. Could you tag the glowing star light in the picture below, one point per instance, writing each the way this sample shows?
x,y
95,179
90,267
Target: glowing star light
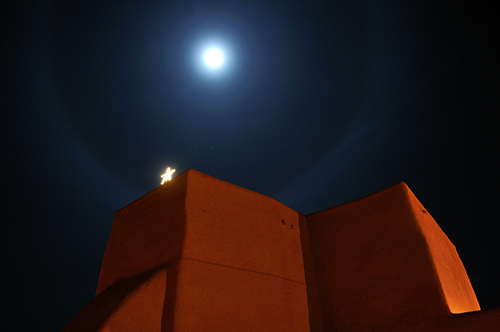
x,y
167,176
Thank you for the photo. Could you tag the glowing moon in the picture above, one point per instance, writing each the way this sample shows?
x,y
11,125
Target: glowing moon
x,y
213,58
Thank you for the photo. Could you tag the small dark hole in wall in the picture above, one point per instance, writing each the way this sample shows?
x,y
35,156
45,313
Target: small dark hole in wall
x,y
424,211
283,222
291,226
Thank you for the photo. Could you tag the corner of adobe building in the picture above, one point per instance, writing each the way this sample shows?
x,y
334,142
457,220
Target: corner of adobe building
x,y
146,233
453,279
313,297
231,225
242,251
374,265
229,253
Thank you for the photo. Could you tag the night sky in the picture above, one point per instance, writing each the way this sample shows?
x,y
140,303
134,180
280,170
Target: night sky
x,y
317,103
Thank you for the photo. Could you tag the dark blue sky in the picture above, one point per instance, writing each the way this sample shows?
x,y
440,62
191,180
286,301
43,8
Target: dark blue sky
x,y
323,102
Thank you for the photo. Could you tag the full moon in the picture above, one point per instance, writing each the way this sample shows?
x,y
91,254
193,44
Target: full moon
x,y
213,58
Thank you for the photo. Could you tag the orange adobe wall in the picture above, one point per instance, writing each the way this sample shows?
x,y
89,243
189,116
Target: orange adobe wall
x,y
201,254
383,264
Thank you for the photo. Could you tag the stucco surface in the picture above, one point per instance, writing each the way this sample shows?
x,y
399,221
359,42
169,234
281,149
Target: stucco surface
x,y
213,297
135,304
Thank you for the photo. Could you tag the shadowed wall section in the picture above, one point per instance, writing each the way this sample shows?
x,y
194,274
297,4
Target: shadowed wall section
x,y
135,304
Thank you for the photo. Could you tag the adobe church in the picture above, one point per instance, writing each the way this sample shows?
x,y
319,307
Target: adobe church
x,y
201,254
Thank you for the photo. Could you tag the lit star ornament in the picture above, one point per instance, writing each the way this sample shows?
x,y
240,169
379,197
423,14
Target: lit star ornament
x,y
167,176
